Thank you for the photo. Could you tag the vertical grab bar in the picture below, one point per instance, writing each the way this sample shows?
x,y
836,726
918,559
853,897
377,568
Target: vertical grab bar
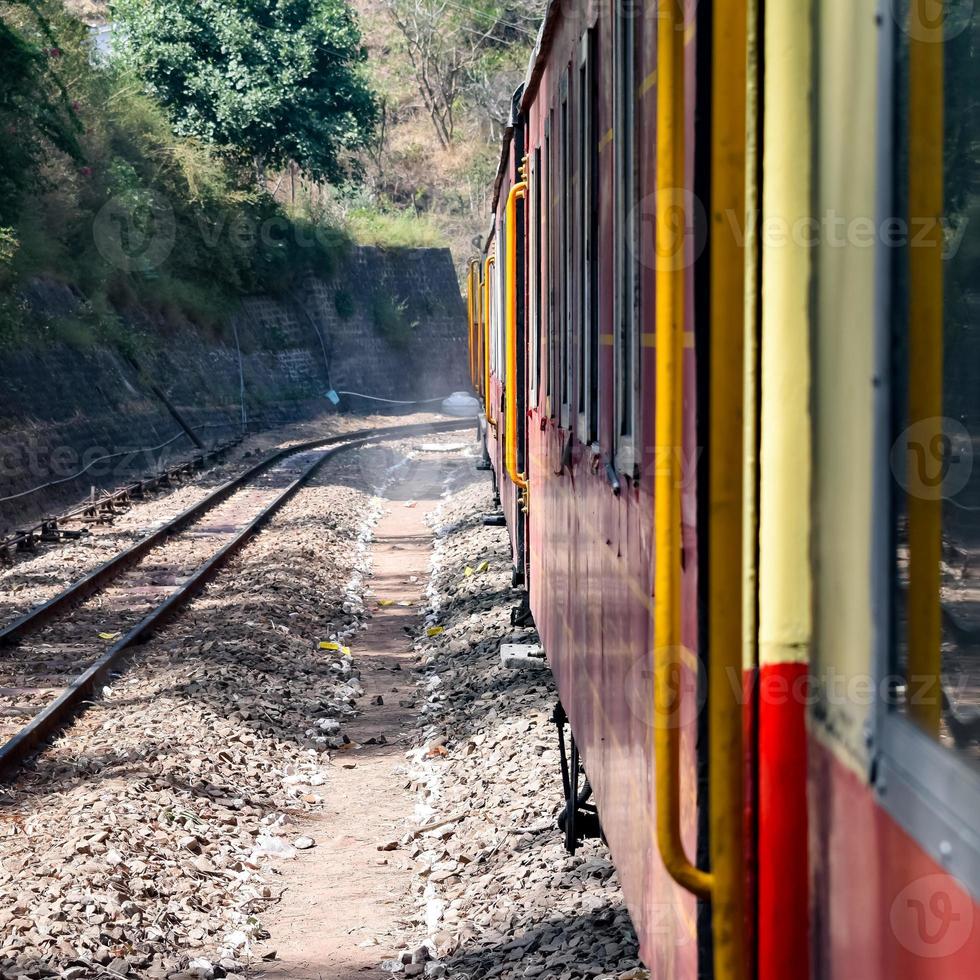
x,y
471,318
724,883
480,325
488,265
669,305
518,191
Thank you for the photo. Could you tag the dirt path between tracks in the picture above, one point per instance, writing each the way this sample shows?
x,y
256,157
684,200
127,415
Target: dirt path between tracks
x,y
345,897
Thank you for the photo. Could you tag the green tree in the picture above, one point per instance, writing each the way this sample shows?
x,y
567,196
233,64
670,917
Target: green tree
x,y
35,111
273,81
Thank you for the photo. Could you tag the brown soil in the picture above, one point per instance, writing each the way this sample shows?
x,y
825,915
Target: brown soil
x,y
339,914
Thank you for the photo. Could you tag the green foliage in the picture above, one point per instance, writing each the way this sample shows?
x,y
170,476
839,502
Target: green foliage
x,y
151,223
270,80
8,249
35,111
394,229
390,320
344,304
142,221
96,325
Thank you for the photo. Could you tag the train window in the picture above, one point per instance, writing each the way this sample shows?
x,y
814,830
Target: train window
x,y
547,197
926,739
588,153
500,301
936,396
555,363
566,203
534,269
627,326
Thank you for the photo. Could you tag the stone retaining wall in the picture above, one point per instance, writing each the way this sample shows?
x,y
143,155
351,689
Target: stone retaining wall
x,y
390,323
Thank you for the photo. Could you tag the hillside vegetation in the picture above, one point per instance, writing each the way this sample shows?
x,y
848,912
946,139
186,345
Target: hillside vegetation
x,y
101,193
444,72
165,182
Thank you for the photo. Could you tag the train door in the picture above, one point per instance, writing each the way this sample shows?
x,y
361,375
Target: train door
x,y
520,380
713,94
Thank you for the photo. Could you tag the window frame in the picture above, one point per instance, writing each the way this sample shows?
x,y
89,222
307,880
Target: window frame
x,y
566,204
626,273
931,792
534,271
499,275
588,159
549,257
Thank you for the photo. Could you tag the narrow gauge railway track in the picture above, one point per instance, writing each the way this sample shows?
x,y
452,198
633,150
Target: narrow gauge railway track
x,y
128,598
95,510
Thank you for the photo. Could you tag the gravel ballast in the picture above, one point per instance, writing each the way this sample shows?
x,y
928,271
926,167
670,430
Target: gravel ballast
x,y
33,578
498,894
145,841
154,836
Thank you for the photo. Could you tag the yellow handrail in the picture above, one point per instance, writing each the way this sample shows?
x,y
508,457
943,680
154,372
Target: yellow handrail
x,y
667,515
471,318
490,263
517,192
480,326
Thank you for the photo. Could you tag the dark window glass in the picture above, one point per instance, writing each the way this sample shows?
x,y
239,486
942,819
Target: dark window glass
x,y
551,346
588,225
626,231
936,387
534,270
565,216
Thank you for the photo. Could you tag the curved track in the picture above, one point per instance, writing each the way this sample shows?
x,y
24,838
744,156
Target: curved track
x,y
84,633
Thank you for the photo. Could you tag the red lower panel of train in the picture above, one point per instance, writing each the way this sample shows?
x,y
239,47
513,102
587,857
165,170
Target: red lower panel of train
x,y
881,907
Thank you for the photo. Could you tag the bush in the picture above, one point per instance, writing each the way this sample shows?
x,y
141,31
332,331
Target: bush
x,y
387,229
344,304
390,320
138,219
8,249
210,63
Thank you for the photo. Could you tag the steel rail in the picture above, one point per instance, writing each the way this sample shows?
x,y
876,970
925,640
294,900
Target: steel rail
x,y
72,700
122,494
115,566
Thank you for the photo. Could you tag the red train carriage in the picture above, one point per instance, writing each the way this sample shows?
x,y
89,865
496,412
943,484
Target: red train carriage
x,y
709,329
